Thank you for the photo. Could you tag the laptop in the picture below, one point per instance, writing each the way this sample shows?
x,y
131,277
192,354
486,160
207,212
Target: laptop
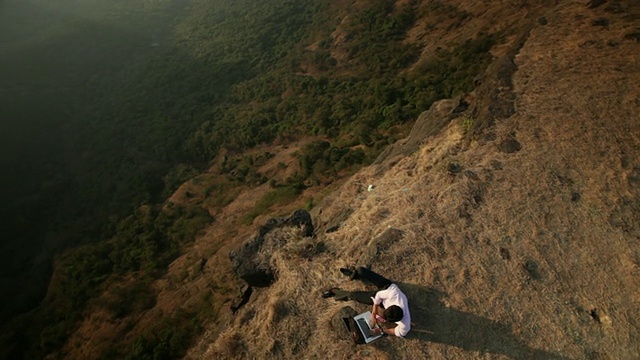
x,y
362,324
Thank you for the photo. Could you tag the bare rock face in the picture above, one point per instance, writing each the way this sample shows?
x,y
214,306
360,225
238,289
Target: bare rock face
x,y
428,124
509,146
256,270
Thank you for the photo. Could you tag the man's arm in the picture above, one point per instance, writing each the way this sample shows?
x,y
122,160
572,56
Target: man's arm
x,y
389,331
374,311
377,309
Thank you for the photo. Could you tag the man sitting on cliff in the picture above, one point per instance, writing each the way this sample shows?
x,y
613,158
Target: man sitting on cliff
x,y
390,306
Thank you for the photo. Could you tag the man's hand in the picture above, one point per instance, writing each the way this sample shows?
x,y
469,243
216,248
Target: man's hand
x,y
376,331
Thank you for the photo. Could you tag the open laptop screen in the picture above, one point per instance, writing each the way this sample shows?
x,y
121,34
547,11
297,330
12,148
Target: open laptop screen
x,y
362,321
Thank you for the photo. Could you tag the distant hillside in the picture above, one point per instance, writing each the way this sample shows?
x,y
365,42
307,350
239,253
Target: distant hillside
x,y
499,140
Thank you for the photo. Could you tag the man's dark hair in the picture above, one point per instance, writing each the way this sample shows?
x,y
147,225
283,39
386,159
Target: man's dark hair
x,y
393,313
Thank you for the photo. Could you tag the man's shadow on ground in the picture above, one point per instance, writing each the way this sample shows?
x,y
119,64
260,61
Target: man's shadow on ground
x,y
435,322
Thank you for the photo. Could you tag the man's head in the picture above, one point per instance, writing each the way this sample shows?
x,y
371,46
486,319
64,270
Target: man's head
x,y
393,313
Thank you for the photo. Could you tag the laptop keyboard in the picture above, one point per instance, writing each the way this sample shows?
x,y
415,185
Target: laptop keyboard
x,y
364,325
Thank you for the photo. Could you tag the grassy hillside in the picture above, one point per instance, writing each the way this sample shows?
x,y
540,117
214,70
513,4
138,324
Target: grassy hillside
x,y
512,231
116,105
99,101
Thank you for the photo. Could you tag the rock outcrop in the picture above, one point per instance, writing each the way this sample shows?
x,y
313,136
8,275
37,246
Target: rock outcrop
x,y
248,262
428,124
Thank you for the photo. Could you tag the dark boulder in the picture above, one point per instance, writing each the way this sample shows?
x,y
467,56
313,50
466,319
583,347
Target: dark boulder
x,y
298,218
454,168
247,265
247,261
301,218
509,146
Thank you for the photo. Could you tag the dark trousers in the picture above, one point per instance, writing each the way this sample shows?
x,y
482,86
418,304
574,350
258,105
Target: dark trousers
x,y
370,277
